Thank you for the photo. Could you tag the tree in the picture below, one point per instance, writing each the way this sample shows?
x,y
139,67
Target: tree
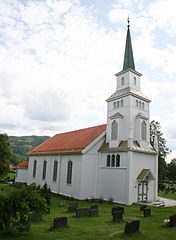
x,y
163,150
171,170
5,154
16,204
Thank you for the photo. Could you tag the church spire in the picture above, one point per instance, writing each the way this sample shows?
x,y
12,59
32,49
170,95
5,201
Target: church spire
x,y
128,62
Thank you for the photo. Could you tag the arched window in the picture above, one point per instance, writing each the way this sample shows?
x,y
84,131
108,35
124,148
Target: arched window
x,y
134,80
108,161
117,104
114,127
55,170
117,160
114,105
69,172
140,104
143,105
136,103
44,170
121,103
122,81
34,168
113,161
143,130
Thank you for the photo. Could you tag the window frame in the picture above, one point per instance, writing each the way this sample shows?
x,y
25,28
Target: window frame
x,y
44,170
114,130
69,172
55,169
143,130
34,169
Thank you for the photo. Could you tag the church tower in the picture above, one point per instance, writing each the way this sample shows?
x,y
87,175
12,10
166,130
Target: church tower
x,y
128,107
128,167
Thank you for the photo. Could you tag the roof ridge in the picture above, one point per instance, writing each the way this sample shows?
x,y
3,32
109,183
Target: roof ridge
x,y
77,130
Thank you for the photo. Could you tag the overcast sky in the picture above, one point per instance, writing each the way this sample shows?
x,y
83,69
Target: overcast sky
x,y
58,59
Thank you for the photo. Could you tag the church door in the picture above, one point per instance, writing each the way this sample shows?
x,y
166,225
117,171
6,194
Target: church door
x,y
143,191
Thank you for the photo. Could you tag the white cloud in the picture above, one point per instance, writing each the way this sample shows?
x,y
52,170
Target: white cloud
x,y
57,58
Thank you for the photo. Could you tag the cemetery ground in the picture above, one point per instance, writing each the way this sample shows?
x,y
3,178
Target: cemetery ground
x,y
99,227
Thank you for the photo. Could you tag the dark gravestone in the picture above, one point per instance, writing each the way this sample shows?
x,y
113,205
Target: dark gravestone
x,y
117,209
82,212
60,222
142,208
114,209
120,209
147,212
35,217
172,221
132,227
95,206
72,207
117,216
93,212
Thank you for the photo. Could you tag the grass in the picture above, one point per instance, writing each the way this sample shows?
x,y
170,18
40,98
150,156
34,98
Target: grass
x,y
101,227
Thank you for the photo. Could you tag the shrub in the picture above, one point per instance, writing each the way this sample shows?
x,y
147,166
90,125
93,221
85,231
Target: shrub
x,y
16,205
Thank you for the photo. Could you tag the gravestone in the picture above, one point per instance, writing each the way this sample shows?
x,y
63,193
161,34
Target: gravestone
x,y
172,221
94,206
120,209
93,212
72,207
142,208
82,212
60,222
132,227
147,212
35,217
114,209
117,216
117,209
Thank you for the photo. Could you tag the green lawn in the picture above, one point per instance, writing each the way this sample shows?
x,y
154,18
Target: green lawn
x,y
101,227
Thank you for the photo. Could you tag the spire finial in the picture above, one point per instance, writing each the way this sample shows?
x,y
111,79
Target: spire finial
x,y
128,56
128,21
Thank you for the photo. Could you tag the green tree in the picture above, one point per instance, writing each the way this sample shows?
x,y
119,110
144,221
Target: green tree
x,y
171,170
5,154
163,150
16,205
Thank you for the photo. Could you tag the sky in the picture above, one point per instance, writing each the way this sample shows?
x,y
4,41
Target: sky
x,y
58,59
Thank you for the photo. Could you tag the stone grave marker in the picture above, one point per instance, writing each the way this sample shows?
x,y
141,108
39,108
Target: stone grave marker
x,y
82,212
72,207
60,222
132,227
117,209
147,212
93,212
172,221
114,209
142,208
117,216
94,206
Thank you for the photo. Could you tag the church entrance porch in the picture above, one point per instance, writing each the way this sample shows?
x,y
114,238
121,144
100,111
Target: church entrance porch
x,y
143,191
144,178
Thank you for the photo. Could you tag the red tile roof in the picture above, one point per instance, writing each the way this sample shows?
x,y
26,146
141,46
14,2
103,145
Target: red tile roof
x,y
69,142
22,165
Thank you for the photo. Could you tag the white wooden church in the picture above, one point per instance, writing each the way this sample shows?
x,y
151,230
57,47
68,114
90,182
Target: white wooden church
x,y
110,161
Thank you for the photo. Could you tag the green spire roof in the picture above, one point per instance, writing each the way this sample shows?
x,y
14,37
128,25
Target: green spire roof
x,y
128,62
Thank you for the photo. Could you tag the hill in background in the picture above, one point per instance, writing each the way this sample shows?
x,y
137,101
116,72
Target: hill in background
x,y
21,145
